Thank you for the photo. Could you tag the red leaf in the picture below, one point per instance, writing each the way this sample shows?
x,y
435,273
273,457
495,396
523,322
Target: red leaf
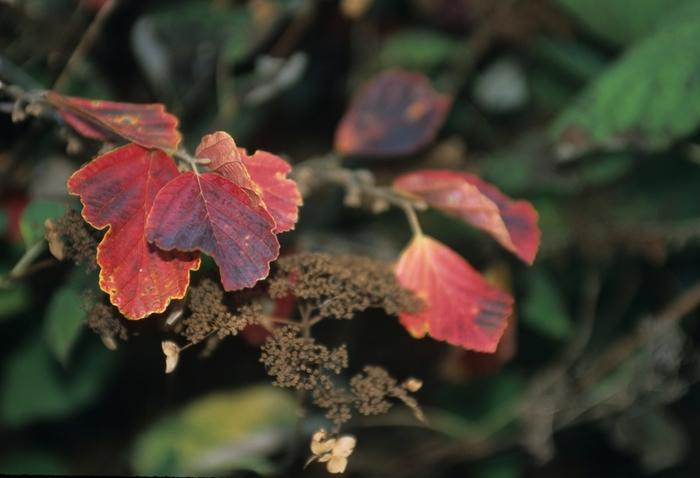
x,y
146,124
280,195
212,214
461,308
117,190
512,223
226,159
264,173
396,112
85,128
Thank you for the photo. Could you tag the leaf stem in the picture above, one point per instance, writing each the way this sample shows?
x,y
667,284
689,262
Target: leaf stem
x,y
183,155
412,220
24,262
358,184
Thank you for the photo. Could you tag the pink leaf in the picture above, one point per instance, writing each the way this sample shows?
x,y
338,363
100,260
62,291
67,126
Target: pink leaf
x,y
512,223
461,308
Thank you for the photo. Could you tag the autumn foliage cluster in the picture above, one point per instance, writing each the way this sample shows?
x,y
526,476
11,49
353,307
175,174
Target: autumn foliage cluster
x,y
231,205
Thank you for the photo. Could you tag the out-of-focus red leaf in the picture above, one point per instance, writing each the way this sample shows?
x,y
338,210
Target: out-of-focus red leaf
x,y
396,112
117,190
263,172
13,204
512,223
461,308
148,125
466,363
212,214
280,194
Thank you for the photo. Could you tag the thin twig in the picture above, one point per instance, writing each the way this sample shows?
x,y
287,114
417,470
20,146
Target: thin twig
x,y
678,308
13,74
357,183
85,43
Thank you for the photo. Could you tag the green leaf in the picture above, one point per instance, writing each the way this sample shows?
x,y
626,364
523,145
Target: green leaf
x,y
36,388
621,22
31,223
648,99
419,49
544,310
575,59
217,434
63,322
13,300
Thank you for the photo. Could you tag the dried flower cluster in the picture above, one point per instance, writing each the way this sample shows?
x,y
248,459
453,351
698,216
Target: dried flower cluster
x,y
78,240
209,314
299,363
105,321
340,285
372,389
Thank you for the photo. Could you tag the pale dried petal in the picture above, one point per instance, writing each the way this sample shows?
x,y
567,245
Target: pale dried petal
x,y
319,436
321,447
320,444
337,464
109,342
172,355
413,384
344,446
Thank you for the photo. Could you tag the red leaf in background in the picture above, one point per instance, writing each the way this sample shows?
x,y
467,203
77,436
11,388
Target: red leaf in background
x,y
255,334
264,173
210,213
396,112
13,205
512,223
280,194
461,308
148,125
117,190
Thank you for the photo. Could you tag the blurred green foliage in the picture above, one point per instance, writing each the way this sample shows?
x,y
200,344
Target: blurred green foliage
x,y
35,388
648,98
223,431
